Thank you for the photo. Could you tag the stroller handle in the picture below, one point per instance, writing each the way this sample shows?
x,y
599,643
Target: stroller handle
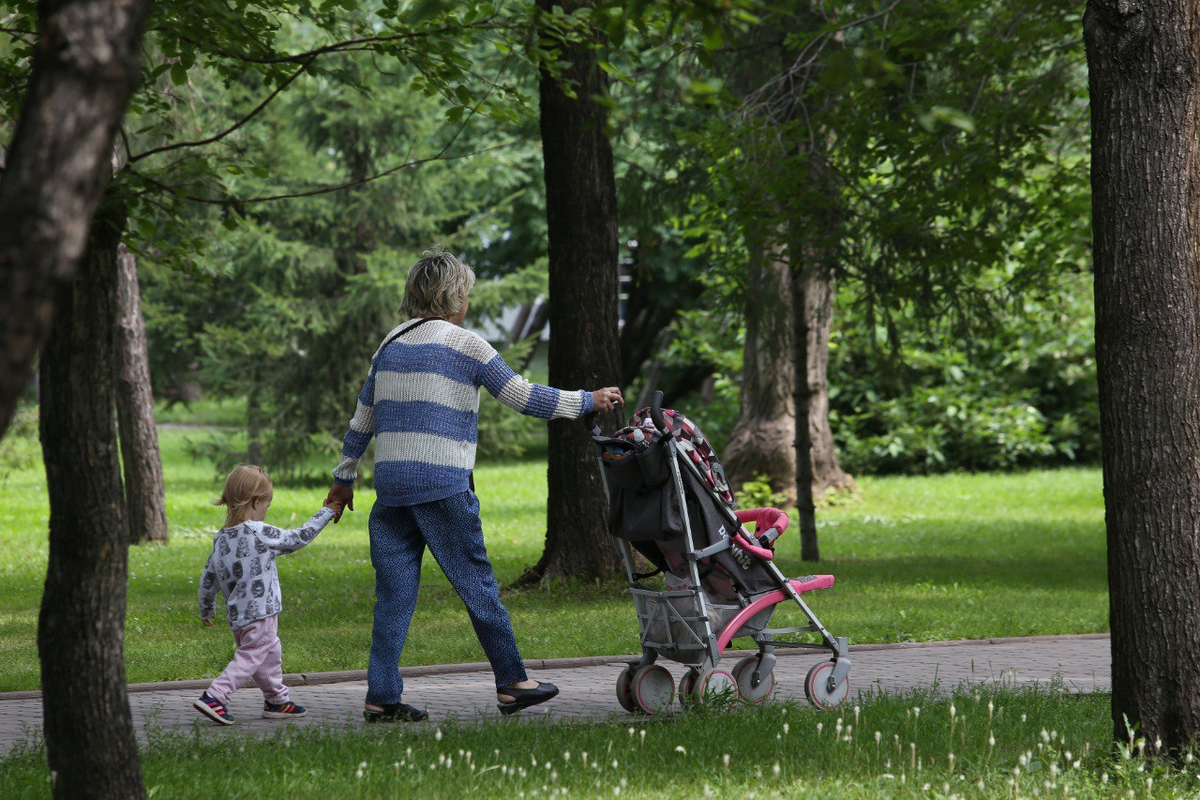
x,y
589,422
656,412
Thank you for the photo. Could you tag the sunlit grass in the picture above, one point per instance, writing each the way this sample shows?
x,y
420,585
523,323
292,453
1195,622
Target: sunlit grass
x,y
954,556
979,742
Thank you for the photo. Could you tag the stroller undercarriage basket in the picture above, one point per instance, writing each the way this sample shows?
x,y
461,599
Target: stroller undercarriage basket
x,y
667,502
673,622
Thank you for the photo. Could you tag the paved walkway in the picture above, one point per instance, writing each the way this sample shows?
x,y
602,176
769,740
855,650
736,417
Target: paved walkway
x,y
466,692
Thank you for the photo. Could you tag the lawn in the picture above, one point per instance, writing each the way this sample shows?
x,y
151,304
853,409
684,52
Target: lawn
x,y
957,556
979,742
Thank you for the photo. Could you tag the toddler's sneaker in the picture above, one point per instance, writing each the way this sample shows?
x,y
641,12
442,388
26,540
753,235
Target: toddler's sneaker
x,y
213,708
283,710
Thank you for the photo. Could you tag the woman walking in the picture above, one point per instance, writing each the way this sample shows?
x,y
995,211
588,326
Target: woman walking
x,y
421,403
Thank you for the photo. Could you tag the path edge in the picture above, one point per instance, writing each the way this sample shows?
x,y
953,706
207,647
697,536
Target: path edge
x,y
344,676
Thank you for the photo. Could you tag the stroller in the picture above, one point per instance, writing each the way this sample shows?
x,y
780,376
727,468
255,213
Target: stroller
x,y
668,501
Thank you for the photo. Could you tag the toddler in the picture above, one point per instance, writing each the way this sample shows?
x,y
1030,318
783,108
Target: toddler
x,y
242,567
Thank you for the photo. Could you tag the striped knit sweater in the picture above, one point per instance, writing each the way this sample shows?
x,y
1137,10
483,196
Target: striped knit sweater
x,y
421,403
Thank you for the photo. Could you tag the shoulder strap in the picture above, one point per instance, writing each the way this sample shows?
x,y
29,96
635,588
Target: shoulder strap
x,y
415,325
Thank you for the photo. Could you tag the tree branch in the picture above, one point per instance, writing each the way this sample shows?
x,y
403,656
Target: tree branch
x,y
349,45
232,128
233,202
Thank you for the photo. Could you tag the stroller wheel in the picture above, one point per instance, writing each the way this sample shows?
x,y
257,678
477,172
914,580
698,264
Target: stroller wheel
x,y
625,690
653,688
712,684
816,687
743,673
687,685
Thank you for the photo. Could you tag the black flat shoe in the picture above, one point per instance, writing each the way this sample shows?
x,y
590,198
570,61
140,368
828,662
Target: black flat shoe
x,y
395,712
524,698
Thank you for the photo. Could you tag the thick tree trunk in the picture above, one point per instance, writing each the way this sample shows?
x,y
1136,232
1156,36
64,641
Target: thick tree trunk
x,y
1145,105
88,727
144,493
86,64
581,212
763,441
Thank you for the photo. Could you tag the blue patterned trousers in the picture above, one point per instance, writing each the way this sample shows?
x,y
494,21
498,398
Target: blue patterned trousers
x,y
452,531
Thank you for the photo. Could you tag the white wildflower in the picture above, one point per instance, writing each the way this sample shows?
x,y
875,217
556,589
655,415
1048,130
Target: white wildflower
x,y
680,749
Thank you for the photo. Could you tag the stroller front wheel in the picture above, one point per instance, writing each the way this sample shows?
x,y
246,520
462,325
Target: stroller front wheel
x,y
816,687
743,673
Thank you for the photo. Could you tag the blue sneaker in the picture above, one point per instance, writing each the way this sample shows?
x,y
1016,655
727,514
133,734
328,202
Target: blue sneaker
x,y
213,708
283,710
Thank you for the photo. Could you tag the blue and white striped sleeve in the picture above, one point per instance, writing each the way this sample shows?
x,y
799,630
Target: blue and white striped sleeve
x,y
362,428
531,399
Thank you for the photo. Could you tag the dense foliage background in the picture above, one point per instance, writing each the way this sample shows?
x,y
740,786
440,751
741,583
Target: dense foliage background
x,y
280,181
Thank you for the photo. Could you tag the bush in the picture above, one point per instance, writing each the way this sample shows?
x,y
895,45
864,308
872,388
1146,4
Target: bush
x,y
20,447
946,427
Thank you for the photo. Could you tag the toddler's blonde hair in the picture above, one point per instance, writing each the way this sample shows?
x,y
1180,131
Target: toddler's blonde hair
x,y
244,485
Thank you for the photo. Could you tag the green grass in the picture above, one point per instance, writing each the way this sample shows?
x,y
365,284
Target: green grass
x,y
996,742
957,556
205,411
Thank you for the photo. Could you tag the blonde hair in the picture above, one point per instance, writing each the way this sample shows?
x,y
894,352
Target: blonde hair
x,y
437,285
244,485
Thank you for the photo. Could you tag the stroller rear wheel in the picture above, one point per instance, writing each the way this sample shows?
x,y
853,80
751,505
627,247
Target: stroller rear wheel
x,y
743,673
687,685
653,688
625,690
816,687
710,684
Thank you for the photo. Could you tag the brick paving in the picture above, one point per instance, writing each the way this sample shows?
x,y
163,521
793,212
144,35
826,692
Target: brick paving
x,y
467,692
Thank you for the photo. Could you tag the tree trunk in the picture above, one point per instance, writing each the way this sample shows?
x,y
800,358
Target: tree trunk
x,y
144,493
86,64
819,293
581,215
88,727
805,507
763,441
1145,107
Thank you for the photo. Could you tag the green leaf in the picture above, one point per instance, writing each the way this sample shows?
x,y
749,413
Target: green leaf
x,y
178,74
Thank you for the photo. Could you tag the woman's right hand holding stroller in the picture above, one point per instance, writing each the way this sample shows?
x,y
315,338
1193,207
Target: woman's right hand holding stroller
x,y
606,399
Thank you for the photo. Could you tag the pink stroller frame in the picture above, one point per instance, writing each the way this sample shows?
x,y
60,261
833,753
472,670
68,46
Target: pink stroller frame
x,y
721,581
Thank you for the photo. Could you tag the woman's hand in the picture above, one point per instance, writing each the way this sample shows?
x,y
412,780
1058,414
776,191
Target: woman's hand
x,y
606,399
340,498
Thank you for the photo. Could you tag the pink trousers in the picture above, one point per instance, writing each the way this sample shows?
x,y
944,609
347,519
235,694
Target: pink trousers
x,y
259,656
